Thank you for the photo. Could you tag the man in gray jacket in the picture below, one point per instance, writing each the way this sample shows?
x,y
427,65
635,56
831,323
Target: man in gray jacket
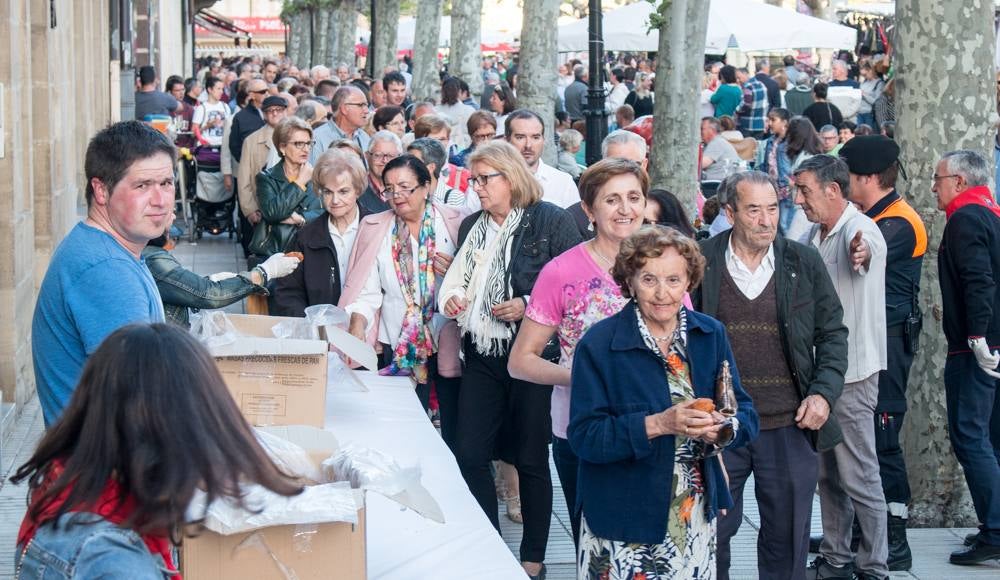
x,y
784,321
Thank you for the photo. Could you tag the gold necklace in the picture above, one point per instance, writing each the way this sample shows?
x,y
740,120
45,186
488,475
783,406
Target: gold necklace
x,y
593,246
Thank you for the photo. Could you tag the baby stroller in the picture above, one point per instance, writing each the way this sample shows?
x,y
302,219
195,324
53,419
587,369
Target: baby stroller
x,y
213,205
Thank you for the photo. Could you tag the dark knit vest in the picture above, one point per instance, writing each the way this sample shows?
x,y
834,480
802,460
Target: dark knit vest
x,y
753,332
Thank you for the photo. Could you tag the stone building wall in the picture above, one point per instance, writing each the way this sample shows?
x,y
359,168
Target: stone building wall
x,y
56,80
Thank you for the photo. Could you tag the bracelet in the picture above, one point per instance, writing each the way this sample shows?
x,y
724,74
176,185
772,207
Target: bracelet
x,y
263,275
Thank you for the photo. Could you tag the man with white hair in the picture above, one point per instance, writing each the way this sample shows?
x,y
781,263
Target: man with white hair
x,y
319,73
969,265
383,148
839,76
620,144
343,73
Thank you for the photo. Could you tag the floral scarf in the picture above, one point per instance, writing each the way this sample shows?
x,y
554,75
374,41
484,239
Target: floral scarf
x,y
416,343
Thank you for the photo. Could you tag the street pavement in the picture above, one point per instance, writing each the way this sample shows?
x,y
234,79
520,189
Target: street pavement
x,y
930,546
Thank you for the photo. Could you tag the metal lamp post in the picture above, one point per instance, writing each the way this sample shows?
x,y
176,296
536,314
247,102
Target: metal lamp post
x,y
597,118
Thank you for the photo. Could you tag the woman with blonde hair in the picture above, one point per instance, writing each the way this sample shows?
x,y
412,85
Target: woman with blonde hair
x,y
641,97
502,249
285,191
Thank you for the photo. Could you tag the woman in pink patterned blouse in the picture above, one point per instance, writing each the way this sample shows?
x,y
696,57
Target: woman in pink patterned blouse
x,y
574,291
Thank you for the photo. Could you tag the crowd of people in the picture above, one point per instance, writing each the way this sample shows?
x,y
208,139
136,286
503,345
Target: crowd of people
x,y
533,311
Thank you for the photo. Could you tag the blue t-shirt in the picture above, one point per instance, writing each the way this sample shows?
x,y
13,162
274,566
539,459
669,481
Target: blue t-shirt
x,y
93,287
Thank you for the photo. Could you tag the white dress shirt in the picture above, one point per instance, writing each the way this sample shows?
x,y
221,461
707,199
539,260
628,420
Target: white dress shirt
x,y
557,186
343,243
383,293
861,292
750,283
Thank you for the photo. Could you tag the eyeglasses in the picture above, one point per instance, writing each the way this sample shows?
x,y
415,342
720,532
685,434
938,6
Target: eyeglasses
x,y
302,145
480,137
483,179
382,157
937,177
401,192
260,92
357,104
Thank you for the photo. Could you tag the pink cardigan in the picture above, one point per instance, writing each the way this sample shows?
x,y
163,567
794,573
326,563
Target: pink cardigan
x,y
371,231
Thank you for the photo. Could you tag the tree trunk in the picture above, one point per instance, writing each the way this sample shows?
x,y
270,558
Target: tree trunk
x,y
306,26
321,35
944,101
536,79
673,159
294,48
346,24
386,26
464,48
426,82
332,8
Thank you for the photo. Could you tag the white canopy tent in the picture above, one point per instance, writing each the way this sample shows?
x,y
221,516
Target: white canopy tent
x,y
406,33
744,24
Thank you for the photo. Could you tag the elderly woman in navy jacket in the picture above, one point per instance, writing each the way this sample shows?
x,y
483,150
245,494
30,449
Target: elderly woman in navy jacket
x,y
650,481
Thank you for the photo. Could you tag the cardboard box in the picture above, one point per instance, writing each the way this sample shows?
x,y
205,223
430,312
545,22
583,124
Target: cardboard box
x,y
321,551
335,550
275,381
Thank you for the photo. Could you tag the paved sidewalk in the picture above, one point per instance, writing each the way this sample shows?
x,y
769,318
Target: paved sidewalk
x,y
217,254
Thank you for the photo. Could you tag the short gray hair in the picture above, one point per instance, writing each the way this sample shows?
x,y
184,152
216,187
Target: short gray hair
x,y
827,129
307,110
713,122
431,151
728,191
385,135
827,169
839,64
623,137
969,164
762,62
579,71
570,138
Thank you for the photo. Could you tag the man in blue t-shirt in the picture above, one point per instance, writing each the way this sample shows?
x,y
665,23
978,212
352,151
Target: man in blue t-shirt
x,y
97,281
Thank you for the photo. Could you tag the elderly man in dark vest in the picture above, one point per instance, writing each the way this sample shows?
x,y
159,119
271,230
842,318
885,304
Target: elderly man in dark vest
x,y
784,320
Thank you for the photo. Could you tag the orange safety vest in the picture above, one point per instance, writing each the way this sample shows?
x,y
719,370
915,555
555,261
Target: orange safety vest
x,y
901,209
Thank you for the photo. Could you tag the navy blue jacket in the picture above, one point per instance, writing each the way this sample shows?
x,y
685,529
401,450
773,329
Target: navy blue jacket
x,y
625,478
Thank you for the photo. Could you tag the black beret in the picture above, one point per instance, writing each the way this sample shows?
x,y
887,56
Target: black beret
x,y
869,154
274,101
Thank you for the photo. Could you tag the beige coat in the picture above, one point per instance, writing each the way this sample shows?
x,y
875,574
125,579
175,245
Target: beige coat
x,y
256,149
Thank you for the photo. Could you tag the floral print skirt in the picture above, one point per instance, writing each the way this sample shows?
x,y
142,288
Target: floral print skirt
x,y
687,551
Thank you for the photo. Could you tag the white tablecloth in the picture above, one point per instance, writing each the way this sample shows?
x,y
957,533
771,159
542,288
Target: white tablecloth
x,y
402,545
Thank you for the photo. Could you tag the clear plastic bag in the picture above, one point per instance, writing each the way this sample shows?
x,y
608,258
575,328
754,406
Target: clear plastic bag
x,y
214,329
327,315
299,328
370,469
317,504
291,458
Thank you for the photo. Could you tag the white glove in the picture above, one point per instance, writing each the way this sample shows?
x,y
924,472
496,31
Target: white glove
x,y
279,265
988,361
220,276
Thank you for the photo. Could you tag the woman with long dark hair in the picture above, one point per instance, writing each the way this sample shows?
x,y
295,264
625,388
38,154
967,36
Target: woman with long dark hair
x,y
663,208
111,481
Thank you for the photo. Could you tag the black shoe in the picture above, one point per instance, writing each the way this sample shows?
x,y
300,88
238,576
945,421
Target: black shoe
x,y
540,575
814,543
867,576
900,557
977,554
971,539
820,569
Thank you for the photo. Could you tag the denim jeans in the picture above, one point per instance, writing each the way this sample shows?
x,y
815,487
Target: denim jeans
x,y
974,428
788,209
